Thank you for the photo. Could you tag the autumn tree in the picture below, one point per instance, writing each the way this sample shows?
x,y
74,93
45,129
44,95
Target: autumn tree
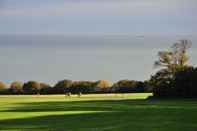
x,y
176,57
2,86
103,85
31,87
16,87
173,61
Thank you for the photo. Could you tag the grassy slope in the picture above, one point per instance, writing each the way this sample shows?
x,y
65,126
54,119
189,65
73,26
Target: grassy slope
x,y
114,112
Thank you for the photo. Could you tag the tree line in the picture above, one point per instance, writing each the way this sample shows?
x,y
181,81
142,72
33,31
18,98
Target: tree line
x,y
73,87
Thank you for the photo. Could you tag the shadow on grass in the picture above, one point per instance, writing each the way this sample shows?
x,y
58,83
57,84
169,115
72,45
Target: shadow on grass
x,y
93,105
106,115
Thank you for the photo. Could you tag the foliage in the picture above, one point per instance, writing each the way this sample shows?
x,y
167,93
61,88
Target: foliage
x,y
130,86
181,84
31,87
175,58
178,79
148,87
45,88
62,86
76,87
162,83
16,87
2,86
82,87
102,86
185,82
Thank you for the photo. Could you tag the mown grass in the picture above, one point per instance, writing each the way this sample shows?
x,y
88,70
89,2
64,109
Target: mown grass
x,y
111,112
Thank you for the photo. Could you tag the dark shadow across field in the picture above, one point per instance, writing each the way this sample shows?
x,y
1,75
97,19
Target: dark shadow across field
x,y
98,105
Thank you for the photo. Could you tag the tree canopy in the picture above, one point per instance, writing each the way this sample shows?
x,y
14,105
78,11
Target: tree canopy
x,y
177,79
176,57
2,85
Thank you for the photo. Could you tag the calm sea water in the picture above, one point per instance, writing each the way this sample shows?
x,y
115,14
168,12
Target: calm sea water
x,y
50,58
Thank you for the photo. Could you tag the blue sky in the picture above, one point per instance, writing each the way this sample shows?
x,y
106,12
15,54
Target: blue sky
x,y
98,16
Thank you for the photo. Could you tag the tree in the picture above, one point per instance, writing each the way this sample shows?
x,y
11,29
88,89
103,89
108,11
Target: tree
x,y
3,88
62,86
45,88
175,58
185,82
128,86
182,84
179,49
162,83
103,85
82,87
31,87
148,87
16,87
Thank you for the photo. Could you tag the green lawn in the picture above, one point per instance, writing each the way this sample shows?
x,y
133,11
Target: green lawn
x,y
114,112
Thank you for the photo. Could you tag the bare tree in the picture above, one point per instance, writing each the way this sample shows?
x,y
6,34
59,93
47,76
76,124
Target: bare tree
x,y
180,52
176,57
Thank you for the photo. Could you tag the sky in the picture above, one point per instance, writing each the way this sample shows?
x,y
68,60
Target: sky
x,y
98,16
51,40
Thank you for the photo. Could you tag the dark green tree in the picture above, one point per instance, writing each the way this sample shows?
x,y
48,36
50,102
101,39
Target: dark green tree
x,y
82,87
131,86
62,86
31,87
172,62
45,88
185,82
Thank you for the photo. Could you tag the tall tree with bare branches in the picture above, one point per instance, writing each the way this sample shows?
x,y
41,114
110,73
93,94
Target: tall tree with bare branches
x,y
176,57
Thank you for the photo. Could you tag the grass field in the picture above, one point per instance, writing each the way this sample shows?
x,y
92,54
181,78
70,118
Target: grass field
x,y
112,112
